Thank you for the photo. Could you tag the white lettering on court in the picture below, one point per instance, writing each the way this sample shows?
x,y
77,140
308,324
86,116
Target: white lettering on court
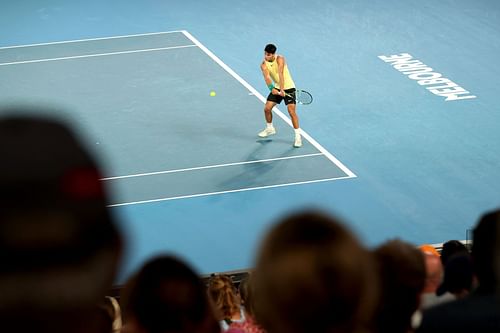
x,y
426,76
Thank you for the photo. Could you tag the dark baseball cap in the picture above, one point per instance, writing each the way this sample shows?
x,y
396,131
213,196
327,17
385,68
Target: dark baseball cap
x,y
52,202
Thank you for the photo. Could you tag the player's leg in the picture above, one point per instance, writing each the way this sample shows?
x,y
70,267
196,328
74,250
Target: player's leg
x,y
268,114
268,111
292,111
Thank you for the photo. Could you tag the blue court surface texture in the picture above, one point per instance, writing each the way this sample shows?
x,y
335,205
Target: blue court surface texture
x,y
389,151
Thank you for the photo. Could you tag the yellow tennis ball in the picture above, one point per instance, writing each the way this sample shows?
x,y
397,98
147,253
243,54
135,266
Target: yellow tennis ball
x,y
212,93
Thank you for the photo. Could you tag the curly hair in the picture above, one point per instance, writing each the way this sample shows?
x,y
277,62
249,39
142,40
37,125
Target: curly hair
x,y
222,291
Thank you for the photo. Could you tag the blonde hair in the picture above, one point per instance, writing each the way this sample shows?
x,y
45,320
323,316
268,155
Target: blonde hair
x,y
223,293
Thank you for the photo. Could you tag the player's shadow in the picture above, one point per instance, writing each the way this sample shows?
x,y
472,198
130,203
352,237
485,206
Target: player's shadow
x,y
258,173
264,141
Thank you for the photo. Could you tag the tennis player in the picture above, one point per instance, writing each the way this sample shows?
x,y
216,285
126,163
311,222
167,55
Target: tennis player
x,y
280,83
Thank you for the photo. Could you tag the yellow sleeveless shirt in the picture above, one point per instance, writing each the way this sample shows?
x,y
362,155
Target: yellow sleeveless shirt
x,y
272,67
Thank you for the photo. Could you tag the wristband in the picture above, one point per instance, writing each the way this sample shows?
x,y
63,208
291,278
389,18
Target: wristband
x,y
270,86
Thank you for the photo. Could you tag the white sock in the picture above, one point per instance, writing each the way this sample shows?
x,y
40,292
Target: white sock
x,y
269,125
297,131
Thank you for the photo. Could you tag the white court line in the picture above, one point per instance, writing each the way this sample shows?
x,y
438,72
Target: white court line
x,y
225,192
90,39
95,55
276,110
210,166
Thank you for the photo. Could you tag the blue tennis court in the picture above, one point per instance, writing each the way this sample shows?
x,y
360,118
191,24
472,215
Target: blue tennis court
x,y
402,139
164,141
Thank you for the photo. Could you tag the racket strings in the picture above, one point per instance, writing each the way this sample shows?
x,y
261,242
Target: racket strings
x,y
303,97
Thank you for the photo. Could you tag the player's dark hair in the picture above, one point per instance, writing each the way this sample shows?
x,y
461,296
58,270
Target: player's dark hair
x,y
270,48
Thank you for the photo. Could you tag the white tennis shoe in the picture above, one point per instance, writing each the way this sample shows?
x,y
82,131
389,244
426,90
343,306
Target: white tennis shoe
x,y
267,131
298,142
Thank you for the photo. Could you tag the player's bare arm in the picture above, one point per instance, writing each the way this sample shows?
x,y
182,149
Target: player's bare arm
x,y
281,67
267,77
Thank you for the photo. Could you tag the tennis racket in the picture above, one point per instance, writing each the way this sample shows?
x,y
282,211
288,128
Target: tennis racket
x,y
302,97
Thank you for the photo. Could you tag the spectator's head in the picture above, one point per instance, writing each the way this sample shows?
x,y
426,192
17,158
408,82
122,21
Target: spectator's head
x,y
224,296
245,291
403,274
486,251
433,269
166,295
313,275
458,276
451,248
59,247
427,248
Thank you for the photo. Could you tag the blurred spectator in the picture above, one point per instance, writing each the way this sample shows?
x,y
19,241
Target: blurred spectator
x,y
451,248
458,276
313,275
167,296
246,295
224,296
434,277
59,247
246,292
402,275
427,248
480,311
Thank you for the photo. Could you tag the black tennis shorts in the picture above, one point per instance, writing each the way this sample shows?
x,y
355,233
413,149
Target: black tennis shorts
x,y
289,98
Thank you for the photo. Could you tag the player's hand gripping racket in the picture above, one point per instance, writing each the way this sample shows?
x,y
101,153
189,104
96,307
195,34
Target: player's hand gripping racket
x,y
301,97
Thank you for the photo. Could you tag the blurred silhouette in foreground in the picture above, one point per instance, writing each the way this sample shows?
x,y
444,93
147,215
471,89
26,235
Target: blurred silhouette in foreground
x,y
59,247
166,295
313,275
479,311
